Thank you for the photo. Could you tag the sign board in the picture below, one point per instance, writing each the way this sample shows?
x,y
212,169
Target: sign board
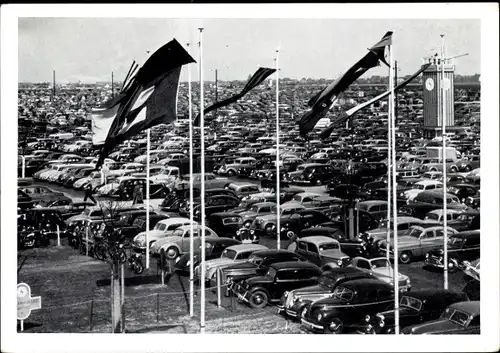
x,y
26,303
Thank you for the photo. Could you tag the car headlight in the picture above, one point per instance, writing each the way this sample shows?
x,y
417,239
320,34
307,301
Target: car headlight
x,y
319,317
238,232
283,229
333,325
408,281
188,263
427,255
367,318
339,263
402,194
252,231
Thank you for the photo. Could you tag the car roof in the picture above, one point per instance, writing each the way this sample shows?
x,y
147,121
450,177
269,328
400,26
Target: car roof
x,y
470,307
366,284
439,211
247,247
428,182
318,239
174,220
372,202
272,252
265,203
224,214
293,264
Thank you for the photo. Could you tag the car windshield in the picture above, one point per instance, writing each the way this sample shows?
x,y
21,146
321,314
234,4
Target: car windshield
x,y
456,316
380,263
229,254
342,293
411,302
414,232
160,226
257,260
326,281
328,246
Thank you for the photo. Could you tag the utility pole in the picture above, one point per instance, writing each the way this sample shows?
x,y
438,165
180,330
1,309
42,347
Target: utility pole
x,y
112,85
53,84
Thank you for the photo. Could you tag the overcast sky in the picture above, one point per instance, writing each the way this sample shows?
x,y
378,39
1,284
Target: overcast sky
x,y
88,49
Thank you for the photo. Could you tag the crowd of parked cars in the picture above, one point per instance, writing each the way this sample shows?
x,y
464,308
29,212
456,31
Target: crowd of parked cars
x,y
334,273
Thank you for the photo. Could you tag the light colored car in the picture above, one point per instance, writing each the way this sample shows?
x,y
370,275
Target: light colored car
x,y
232,255
232,169
381,268
162,229
436,216
417,241
267,223
243,189
167,174
404,223
420,186
303,198
472,269
257,209
211,182
177,242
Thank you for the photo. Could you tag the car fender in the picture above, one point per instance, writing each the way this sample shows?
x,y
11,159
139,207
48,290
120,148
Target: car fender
x,y
259,288
170,245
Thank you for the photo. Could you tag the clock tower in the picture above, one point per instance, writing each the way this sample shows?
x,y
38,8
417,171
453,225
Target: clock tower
x,y
432,95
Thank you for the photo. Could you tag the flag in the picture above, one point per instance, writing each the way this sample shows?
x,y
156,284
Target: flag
x,y
325,99
258,77
349,113
150,98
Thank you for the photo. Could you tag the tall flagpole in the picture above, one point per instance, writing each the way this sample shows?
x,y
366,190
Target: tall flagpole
x,y
147,196
443,133
191,227
394,195
202,196
278,226
389,162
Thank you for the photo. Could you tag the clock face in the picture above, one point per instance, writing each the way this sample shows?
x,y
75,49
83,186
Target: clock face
x,y
429,84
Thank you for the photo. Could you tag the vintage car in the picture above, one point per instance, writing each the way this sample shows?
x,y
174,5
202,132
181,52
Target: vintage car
x,y
457,319
420,186
414,308
257,265
140,221
463,246
313,174
346,191
213,204
321,251
281,277
462,191
381,268
24,201
232,168
39,193
125,188
376,208
417,241
472,269
349,303
404,223
214,247
257,209
303,219
305,199
436,216
469,163
211,182
232,255
178,242
266,225
162,229
67,208
243,189
292,303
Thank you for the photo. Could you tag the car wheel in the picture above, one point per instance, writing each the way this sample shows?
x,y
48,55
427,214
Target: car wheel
x,y
172,253
336,326
230,173
405,257
258,299
269,229
247,224
290,234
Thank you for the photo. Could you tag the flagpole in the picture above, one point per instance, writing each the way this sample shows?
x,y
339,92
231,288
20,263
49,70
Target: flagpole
x,y
394,194
191,227
443,133
389,160
147,197
278,227
202,184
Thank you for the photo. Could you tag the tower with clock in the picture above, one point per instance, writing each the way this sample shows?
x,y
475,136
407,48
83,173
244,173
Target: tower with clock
x,y
432,95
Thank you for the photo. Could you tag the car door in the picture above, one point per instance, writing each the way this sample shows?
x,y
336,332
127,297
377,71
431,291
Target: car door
x,y
185,240
313,254
427,242
302,249
285,280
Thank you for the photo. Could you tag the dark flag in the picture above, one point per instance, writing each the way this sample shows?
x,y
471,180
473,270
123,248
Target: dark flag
x,y
150,98
325,99
349,113
258,77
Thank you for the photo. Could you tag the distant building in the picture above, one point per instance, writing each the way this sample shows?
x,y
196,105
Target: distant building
x,y
432,93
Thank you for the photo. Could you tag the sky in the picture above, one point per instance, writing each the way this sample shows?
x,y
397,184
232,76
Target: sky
x,y
89,49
